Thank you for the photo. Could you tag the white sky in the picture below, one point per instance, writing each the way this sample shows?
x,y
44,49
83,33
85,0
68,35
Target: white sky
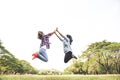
x,y
87,21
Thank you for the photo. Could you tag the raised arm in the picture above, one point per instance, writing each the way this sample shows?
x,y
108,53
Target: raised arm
x,y
58,36
52,33
61,34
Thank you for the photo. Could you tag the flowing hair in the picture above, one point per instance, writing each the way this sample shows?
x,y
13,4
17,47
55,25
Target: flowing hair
x,y
70,38
40,34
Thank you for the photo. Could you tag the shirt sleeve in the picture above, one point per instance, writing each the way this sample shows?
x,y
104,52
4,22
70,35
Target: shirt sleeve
x,y
49,34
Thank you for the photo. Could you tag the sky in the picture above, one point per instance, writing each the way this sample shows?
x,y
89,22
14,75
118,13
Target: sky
x,y
88,21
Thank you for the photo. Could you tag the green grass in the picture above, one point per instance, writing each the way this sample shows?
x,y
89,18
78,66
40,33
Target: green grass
x,y
59,77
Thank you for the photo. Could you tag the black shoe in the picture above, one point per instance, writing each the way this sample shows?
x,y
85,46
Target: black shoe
x,y
74,57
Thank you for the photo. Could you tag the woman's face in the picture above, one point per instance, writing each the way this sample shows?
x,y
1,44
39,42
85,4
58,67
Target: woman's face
x,y
40,34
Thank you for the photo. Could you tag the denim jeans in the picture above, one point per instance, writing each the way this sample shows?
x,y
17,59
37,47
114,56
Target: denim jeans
x,y
42,54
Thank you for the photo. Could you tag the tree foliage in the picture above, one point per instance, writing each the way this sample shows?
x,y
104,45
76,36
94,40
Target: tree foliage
x,y
11,65
99,58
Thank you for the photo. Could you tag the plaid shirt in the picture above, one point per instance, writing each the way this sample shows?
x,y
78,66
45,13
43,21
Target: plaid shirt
x,y
45,41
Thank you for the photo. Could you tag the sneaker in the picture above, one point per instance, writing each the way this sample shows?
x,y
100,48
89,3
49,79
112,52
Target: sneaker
x,y
74,57
35,55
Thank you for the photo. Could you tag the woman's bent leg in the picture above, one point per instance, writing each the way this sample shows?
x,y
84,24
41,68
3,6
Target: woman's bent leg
x,y
43,55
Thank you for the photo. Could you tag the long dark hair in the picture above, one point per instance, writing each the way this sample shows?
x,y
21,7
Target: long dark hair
x,y
40,34
70,38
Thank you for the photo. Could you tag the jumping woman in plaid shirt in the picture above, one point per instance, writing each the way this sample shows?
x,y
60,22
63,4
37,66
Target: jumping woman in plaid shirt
x,y
45,44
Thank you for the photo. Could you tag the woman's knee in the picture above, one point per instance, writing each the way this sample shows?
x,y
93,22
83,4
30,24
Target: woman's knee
x,y
46,60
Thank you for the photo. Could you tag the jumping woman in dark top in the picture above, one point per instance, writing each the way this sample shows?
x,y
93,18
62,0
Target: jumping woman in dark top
x,y
67,45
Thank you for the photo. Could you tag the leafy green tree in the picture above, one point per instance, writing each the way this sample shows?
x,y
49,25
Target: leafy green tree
x,y
99,58
11,65
6,59
75,68
27,68
105,54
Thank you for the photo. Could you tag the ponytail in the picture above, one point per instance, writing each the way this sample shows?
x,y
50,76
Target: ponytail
x,y
70,38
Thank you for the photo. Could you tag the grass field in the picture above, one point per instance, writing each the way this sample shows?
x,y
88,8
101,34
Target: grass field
x,y
59,77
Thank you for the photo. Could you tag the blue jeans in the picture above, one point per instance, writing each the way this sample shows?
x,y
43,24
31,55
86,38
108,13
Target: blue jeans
x,y
43,55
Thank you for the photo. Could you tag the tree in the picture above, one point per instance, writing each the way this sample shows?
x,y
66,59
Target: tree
x,y
99,58
11,65
105,54
27,68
